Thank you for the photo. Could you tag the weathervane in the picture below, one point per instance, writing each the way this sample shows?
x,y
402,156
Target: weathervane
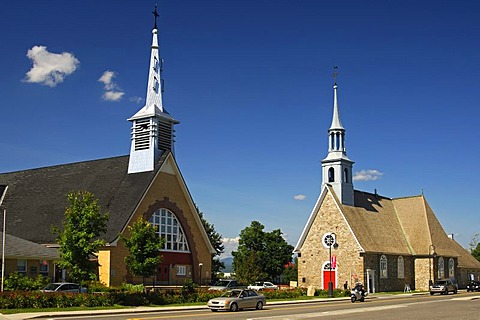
x,y
155,15
335,74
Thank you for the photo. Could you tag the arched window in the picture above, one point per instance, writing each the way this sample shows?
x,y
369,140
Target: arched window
x,y
331,175
337,142
383,267
332,141
169,228
451,268
401,267
441,268
345,175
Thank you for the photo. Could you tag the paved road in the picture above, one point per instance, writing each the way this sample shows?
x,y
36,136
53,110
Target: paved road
x,y
461,306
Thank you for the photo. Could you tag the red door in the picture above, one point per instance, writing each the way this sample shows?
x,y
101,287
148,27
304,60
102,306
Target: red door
x,y
326,278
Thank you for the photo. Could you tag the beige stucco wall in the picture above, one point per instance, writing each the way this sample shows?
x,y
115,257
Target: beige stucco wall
x,y
314,254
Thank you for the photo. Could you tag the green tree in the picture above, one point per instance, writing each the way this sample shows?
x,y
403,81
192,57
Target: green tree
x,y
80,239
217,243
261,255
144,246
475,246
290,273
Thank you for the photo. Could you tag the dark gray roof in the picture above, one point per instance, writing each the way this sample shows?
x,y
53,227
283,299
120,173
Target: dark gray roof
x,y
16,248
36,199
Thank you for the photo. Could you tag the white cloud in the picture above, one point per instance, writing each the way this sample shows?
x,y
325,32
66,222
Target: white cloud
x,y
112,90
49,68
299,197
367,175
136,100
230,244
112,95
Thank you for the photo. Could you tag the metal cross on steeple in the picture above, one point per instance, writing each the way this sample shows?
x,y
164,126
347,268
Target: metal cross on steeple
x,y
155,15
335,74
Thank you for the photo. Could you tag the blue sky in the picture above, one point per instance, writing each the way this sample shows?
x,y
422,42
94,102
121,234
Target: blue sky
x,y
251,83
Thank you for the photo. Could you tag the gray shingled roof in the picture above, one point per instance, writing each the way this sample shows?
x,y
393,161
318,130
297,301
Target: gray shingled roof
x,y
36,199
16,248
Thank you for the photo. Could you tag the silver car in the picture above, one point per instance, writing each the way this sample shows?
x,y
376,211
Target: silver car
x,y
234,300
443,286
64,287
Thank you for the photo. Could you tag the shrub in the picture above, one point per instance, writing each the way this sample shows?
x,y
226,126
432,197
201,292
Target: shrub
x,y
17,281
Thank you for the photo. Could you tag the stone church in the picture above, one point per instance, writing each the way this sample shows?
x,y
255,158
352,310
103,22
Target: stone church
x,y
146,183
388,244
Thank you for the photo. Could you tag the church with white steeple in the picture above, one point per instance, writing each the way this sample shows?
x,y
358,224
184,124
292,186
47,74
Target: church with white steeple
x,y
146,184
388,244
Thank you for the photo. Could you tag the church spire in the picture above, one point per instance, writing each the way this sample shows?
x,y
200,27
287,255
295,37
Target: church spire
x,y
337,167
152,126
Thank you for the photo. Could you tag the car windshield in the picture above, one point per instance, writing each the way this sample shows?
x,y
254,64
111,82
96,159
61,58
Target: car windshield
x,y
221,283
231,294
441,282
51,286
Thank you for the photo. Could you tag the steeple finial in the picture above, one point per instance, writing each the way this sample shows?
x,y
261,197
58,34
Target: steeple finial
x,y
335,74
155,16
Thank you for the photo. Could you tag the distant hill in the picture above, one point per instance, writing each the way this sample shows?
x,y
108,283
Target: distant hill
x,y
228,264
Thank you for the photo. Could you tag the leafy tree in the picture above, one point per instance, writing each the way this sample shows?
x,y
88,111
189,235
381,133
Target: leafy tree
x,y
144,246
79,239
261,255
217,243
475,246
290,273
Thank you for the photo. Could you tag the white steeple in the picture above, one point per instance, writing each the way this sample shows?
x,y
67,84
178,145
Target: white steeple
x,y
337,167
152,126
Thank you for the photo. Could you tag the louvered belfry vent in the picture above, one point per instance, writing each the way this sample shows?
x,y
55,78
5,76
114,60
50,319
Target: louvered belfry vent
x,y
165,135
141,134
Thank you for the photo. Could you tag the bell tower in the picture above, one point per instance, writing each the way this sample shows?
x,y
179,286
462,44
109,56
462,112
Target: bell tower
x,y
152,126
337,167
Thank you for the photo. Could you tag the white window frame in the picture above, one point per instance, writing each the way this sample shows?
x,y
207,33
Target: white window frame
x,y
181,270
168,227
441,268
401,267
451,268
383,266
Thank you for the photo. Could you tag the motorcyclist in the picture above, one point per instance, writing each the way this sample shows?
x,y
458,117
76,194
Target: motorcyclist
x,y
359,287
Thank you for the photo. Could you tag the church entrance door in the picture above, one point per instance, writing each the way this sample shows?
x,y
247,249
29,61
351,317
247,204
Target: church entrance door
x,y
329,276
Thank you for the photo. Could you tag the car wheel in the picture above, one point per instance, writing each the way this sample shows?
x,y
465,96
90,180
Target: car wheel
x,y
259,305
455,291
234,307
446,291
431,293
214,310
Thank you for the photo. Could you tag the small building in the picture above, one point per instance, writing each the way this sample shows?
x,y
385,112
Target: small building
x,y
147,184
388,244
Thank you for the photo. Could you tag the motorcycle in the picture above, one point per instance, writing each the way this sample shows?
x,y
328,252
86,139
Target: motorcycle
x,y
357,295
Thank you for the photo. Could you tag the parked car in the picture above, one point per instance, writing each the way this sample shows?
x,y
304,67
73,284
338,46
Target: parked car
x,y
64,287
259,285
234,300
473,286
443,286
226,284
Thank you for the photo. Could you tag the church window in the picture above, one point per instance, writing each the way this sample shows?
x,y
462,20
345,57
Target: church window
x,y
345,175
181,270
331,175
337,142
451,268
169,228
401,267
329,240
383,267
22,266
332,141
441,268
